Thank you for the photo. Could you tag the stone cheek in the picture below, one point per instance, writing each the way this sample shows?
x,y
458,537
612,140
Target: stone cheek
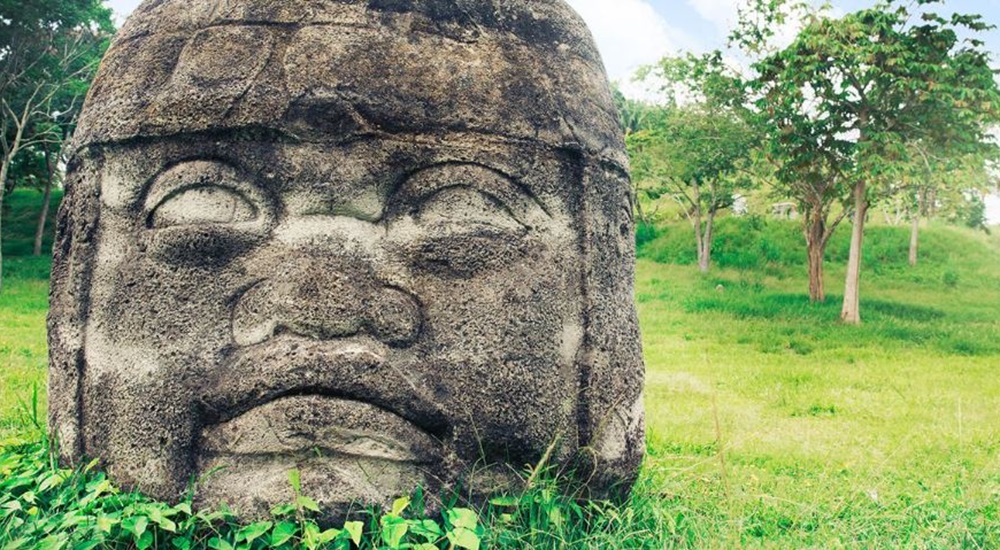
x,y
354,252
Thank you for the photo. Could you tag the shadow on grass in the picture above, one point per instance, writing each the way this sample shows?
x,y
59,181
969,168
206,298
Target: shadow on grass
x,y
795,325
755,304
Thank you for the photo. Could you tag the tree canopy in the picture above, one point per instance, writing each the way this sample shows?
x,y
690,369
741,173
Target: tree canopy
x,y
49,50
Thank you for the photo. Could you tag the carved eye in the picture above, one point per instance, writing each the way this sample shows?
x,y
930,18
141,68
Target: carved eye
x,y
204,214
200,205
466,232
462,206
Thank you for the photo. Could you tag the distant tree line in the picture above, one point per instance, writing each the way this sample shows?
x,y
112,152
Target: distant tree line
x,y
49,51
885,106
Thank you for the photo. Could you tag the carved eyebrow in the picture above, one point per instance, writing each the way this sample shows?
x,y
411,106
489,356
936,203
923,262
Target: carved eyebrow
x,y
424,183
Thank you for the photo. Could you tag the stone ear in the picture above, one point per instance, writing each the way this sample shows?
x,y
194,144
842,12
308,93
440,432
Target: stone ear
x,y
612,424
70,284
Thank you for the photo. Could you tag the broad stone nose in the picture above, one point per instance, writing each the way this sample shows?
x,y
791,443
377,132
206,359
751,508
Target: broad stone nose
x,y
324,301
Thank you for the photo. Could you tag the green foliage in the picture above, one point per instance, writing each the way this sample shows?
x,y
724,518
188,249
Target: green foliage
x,y
50,51
43,506
844,103
743,243
645,232
775,248
20,218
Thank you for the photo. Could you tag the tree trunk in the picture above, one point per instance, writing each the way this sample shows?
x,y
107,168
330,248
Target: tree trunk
x,y
915,225
4,168
705,255
699,236
8,158
44,214
851,313
816,249
914,238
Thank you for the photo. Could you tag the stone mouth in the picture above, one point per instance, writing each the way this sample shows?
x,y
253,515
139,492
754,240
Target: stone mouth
x,y
357,384
320,425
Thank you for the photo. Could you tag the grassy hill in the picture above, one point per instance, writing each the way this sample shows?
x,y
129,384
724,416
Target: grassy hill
x,y
949,302
770,424
20,218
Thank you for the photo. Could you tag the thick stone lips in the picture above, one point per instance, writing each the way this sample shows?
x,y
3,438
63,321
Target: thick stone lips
x,y
349,369
318,424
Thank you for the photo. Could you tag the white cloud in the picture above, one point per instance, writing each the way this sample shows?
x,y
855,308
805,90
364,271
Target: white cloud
x,y
629,33
721,13
123,8
724,15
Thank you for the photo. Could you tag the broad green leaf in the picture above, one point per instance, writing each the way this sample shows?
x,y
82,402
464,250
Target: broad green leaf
x,y
51,481
427,528
145,541
72,519
135,525
57,541
282,533
393,530
295,478
310,534
328,536
464,538
399,505
253,531
355,529
105,522
307,503
463,517
282,510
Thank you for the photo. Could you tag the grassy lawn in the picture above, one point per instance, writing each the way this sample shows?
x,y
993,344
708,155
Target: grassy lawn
x,y
777,427
23,351
769,424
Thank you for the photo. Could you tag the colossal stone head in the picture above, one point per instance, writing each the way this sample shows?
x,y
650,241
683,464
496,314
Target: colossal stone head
x,y
387,243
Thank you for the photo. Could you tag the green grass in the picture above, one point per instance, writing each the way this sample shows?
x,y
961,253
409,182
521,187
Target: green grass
x,y
23,351
770,425
880,436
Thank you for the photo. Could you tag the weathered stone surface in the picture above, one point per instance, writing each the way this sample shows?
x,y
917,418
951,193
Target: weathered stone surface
x,y
385,242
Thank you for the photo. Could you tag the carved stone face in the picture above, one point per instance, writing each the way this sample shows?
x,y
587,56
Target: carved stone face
x,y
385,247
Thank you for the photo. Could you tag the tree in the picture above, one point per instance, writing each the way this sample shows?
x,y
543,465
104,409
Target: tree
x,y
810,167
858,89
701,143
49,50
641,121
938,180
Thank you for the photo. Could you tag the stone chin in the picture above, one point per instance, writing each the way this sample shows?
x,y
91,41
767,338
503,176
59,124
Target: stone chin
x,y
348,452
386,247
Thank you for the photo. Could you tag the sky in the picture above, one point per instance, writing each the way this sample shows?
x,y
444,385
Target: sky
x,y
633,33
